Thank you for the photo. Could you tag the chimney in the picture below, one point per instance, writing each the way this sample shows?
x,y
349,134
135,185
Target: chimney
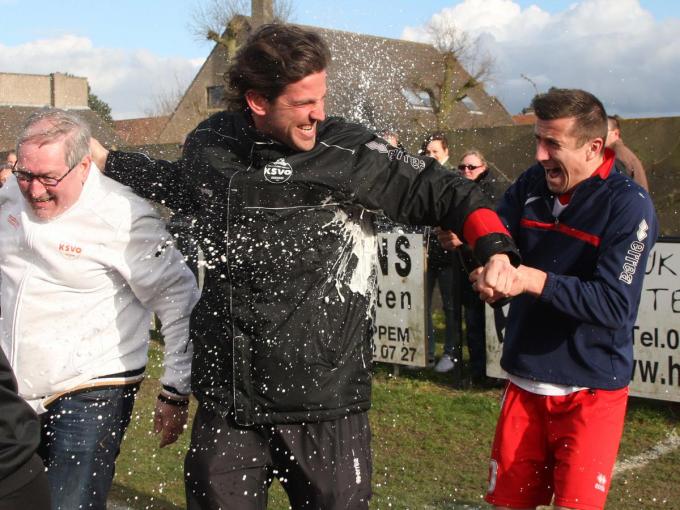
x,y
68,91
262,12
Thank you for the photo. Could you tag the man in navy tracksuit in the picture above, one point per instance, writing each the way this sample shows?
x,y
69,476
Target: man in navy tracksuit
x,y
584,232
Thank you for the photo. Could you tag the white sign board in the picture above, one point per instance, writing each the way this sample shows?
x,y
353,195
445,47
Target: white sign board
x,y
494,347
400,334
656,335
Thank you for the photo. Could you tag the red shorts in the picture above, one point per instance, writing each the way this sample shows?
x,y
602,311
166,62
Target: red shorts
x,y
563,445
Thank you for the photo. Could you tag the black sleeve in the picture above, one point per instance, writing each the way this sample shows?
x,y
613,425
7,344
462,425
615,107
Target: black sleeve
x,y
19,431
419,191
413,189
167,182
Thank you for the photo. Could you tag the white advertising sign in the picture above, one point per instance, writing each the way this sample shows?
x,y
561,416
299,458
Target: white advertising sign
x,y
400,334
656,335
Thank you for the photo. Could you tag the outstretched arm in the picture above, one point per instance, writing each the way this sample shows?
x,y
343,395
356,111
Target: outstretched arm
x,y
166,182
99,153
611,294
419,191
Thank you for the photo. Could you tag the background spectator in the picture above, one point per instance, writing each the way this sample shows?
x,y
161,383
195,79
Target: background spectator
x,y
6,167
440,271
474,166
626,158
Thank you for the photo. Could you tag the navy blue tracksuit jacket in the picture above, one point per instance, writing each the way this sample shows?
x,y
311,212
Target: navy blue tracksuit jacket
x,y
580,330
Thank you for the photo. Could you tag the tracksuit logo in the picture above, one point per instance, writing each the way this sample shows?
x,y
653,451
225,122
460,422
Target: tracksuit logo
x,y
493,476
398,154
601,484
633,254
642,231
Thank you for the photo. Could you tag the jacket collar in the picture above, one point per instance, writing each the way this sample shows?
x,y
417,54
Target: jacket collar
x,y
253,145
596,178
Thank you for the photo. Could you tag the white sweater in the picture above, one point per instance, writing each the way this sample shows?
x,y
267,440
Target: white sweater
x,y
77,291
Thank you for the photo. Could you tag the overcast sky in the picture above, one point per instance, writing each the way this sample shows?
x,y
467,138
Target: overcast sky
x,y
627,52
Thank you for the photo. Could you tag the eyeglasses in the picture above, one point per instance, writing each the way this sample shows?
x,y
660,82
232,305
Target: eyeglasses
x,y
50,182
469,168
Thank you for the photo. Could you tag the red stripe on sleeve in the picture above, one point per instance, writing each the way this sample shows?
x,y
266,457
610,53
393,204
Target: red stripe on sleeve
x,y
480,223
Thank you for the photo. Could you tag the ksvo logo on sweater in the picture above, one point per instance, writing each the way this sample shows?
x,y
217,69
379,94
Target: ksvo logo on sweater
x,y
278,171
69,251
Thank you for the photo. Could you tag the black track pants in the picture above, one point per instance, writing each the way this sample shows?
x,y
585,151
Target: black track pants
x,y
325,465
35,495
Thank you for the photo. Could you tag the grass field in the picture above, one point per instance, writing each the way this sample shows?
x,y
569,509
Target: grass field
x,y
430,449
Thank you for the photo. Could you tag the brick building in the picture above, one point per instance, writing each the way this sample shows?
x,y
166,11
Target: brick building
x,y
23,94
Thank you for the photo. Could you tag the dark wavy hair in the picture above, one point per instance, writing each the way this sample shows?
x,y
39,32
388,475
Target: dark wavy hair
x,y
590,115
273,57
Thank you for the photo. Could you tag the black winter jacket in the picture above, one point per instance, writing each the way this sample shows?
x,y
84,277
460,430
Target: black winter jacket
x,y
19,435
282,332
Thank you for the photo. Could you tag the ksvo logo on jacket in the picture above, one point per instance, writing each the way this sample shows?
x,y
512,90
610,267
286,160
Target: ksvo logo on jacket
x,y
278,171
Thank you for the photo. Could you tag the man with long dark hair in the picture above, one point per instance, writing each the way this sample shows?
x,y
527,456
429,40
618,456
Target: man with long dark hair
x,y
283,197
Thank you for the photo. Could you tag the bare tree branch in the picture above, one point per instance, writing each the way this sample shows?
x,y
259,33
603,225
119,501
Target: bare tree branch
x,y
211,17
284,11
532,82
447,38
166,100
465,66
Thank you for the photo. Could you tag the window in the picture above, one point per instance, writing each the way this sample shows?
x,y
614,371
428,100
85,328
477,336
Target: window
x,y
419,100
471,105
216,97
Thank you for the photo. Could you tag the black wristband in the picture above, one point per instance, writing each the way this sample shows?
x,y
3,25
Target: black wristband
x,y
173,401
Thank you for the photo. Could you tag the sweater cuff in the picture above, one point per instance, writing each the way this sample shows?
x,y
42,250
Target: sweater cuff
x,y
482,222
548,288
